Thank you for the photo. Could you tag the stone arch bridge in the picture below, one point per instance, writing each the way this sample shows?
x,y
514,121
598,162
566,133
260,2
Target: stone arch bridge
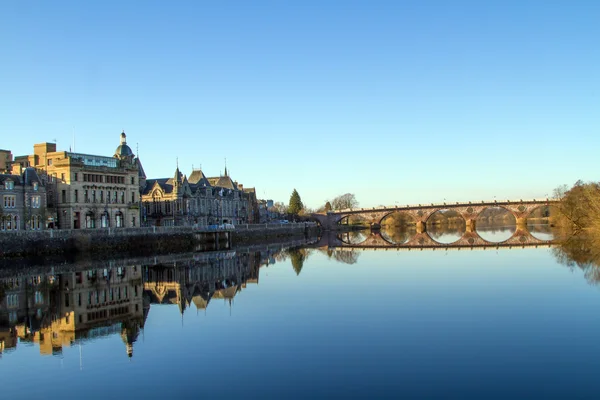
x,y
469,211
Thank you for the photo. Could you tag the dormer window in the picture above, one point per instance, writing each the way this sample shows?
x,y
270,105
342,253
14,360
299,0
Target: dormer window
x,y
9,185
35,186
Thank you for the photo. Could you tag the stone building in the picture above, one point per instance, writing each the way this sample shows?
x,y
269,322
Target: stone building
x,y
5,161
197,200
23,202
92,191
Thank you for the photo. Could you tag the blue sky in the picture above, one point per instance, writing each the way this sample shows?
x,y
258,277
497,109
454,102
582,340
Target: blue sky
x,y
399,101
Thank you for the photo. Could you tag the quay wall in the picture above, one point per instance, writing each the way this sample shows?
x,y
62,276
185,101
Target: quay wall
x,y
158,240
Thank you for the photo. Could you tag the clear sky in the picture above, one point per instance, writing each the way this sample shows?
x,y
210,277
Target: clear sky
x,y
395,101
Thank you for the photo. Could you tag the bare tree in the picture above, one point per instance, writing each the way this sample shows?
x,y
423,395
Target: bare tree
x,y
344,201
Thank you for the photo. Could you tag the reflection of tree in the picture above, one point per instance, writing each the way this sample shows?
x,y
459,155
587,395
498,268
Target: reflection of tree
x,y
398,235
297,257
582,252
346,257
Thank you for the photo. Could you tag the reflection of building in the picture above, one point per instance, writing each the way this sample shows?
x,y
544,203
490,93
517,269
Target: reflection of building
x,y
55,311
199,283
92,191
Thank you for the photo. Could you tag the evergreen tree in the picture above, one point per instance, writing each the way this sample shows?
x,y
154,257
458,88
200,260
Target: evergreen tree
x,y
295,205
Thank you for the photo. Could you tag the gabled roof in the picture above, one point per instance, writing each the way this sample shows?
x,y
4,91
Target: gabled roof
x,y
30,176
223,182
198,178
163,183
15,178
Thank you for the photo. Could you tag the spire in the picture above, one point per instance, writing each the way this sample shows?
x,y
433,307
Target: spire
x,y
225,166
123,138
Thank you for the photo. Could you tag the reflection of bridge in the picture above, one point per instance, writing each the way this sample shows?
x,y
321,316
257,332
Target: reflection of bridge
x,y
469,211
422,240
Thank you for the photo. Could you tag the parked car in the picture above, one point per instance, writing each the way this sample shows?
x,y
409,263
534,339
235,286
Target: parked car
x,y
227,226
284,221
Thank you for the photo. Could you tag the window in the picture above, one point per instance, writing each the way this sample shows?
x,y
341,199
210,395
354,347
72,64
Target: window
x,y
10,201
9,185
35,201
35,186
132,180
49,161
133,197
102,196
75,177
79,299
90,220
104,220
76,195
39,298
119,219
64,196
122,197
62,177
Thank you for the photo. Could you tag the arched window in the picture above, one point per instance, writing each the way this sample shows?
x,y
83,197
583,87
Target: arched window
x,y
119,219
104,220
90,220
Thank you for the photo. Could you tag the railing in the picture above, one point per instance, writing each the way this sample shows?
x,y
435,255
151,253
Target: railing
x,y
68,233
446,204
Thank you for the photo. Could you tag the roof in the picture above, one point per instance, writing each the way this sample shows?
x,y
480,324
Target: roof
x,y
222,182
14,178
123,151
166,184
198,178
141,172
30,176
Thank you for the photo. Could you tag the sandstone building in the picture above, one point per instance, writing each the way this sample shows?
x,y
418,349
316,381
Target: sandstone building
x,y
92,191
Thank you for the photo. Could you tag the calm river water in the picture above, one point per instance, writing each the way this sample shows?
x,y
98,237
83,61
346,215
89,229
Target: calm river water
x,y
305,322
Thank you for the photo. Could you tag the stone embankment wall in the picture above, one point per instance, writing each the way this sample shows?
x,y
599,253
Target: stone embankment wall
x,y
155,240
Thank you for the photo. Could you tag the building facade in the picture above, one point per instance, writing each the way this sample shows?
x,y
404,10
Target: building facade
x,y
5,161
23,202
197,200
91,191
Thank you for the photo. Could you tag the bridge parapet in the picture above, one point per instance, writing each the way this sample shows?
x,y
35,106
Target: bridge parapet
x,y
421,212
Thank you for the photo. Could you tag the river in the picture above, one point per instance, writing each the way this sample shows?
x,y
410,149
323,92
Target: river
x,y
305,321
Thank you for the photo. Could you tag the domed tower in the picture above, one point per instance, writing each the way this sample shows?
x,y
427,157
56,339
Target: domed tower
x,y
124,152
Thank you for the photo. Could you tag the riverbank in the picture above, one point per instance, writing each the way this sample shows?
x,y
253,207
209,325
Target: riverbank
x,y
156,240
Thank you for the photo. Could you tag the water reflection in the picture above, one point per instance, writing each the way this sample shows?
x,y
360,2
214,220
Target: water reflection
x,y
62,307
434,318
496,233
583,252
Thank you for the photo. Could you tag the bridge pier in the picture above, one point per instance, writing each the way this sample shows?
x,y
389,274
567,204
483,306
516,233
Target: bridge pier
x,y
421,226
471,225
522,221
